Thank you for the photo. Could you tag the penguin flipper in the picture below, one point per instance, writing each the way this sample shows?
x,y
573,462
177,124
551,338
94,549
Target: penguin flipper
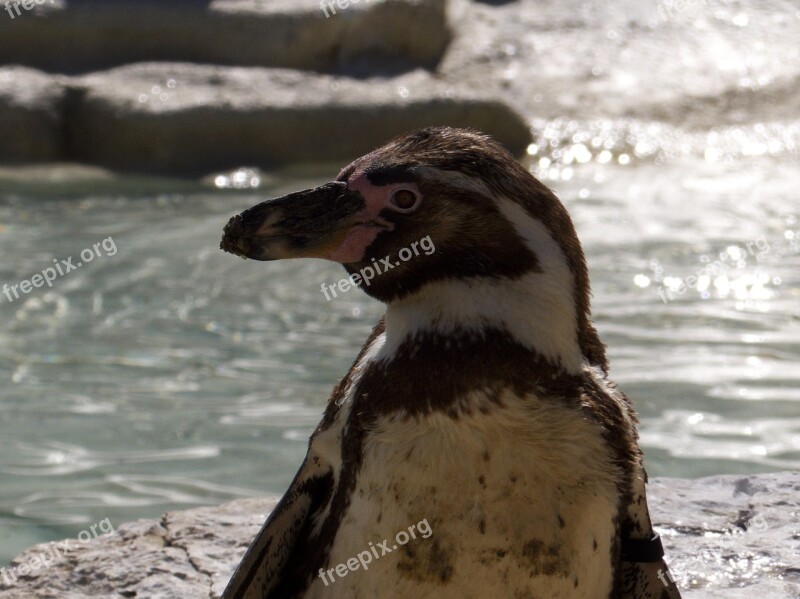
x,y
647,581
259,572
642,571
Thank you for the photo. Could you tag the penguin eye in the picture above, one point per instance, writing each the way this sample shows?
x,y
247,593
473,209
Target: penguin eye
x,y
404,200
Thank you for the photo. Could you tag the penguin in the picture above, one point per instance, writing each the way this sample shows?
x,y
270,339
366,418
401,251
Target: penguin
x,y
477,446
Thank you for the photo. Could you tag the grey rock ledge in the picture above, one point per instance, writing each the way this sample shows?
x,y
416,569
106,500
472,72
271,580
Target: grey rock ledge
x,y
78,36
193,119
725,537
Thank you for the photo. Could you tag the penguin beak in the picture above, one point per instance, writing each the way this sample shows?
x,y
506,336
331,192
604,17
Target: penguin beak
x,y
305,224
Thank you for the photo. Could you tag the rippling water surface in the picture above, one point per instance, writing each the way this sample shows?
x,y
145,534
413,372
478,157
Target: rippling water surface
x,y
170,374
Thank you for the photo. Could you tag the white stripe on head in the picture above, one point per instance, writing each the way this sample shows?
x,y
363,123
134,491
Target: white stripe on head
x,y
455,179
537,310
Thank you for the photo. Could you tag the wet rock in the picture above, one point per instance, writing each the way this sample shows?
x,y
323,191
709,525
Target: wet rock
x,y
181,118
31,116
55,179
190,118
84,35
732,531
725,537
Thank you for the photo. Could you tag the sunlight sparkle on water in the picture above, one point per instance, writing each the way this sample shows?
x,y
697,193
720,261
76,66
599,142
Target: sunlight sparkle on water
x,y
624,141
243,178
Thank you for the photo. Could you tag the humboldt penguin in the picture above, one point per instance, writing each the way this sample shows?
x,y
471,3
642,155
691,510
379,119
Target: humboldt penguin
x,y
477,446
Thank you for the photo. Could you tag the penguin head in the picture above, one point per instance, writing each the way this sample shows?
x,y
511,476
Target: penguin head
x,y
437,205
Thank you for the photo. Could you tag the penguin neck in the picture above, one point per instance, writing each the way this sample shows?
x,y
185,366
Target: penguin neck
x,y
515,309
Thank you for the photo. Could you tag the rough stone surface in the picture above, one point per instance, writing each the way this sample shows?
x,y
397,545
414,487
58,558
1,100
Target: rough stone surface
x,y
247,110
85,35
648,60
31,116
193,119
185,554
725,534
726,537
217,117
63,180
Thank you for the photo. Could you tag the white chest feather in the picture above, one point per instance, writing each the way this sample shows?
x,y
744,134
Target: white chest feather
x,y
517,502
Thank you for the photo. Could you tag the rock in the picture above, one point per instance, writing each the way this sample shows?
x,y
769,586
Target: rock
x,y
55,179
725,532
31,116
195,119
724,536
56,174
198,118
186,554
84,35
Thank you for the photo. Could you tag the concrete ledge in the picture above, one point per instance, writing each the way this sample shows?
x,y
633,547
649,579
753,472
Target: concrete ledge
x,y
193,119
726,537
31,116
73,36
223,117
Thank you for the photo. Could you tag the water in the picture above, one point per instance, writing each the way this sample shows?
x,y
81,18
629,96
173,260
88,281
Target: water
x,y
170,374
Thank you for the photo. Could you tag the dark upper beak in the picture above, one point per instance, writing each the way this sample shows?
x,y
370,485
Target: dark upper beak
x,y
300,225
